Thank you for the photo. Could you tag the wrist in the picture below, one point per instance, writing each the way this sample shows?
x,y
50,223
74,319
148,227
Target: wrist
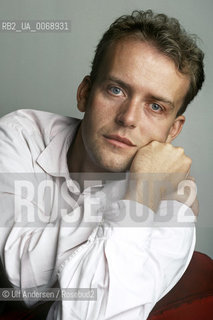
x,y
144,192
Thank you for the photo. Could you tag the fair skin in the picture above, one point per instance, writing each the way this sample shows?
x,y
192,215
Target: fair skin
x,y
130,116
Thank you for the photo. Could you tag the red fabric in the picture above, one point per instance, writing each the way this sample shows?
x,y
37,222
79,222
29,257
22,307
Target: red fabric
x,y
199,309
192,297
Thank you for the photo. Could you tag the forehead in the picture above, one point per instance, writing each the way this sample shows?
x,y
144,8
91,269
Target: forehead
x,y
144,68
137,53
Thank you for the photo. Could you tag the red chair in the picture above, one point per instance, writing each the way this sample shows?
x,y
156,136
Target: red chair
x,y
192,297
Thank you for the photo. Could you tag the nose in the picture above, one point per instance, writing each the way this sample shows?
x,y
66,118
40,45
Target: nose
x,y
127,115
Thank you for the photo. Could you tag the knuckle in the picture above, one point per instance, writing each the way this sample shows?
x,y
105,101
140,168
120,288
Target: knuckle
x,y
180,150
188,160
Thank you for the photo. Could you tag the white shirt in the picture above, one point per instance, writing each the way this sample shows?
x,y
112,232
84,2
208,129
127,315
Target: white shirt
x,y
51,231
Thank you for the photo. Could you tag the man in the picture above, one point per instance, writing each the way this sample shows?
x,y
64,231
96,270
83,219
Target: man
x,y
105,235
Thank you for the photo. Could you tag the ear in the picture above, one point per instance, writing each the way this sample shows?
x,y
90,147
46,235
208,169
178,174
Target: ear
x,y
83,93
175,128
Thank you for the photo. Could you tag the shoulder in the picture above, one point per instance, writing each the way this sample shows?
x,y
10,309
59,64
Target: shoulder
x,y
25,133
36,122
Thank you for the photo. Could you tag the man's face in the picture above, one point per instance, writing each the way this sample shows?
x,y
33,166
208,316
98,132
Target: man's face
x,y
133,101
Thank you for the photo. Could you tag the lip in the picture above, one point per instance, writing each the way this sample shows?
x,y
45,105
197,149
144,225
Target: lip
x,y
119,141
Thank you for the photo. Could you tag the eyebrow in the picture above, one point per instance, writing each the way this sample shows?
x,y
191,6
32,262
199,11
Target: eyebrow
x,y
164,100
118,81
128,87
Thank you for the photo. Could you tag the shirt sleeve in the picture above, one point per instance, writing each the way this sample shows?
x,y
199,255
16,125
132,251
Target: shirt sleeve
x,y
33,241
131,267
18,239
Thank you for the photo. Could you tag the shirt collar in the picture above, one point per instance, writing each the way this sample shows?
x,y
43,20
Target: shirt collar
x,y
53,158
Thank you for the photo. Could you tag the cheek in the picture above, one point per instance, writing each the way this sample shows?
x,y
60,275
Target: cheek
x,y
101,111
155,131
96,116
162,133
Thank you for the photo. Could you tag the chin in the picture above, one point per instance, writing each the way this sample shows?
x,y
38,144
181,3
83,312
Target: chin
x,y
111,165
105,160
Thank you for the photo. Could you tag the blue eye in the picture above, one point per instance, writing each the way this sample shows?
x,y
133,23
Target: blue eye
x,y
156,107
115,90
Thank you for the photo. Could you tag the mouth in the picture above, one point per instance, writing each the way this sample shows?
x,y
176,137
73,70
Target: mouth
x,y
119,141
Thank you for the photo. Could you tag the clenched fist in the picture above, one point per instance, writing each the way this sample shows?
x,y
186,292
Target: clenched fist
x,y
155,173
157,157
